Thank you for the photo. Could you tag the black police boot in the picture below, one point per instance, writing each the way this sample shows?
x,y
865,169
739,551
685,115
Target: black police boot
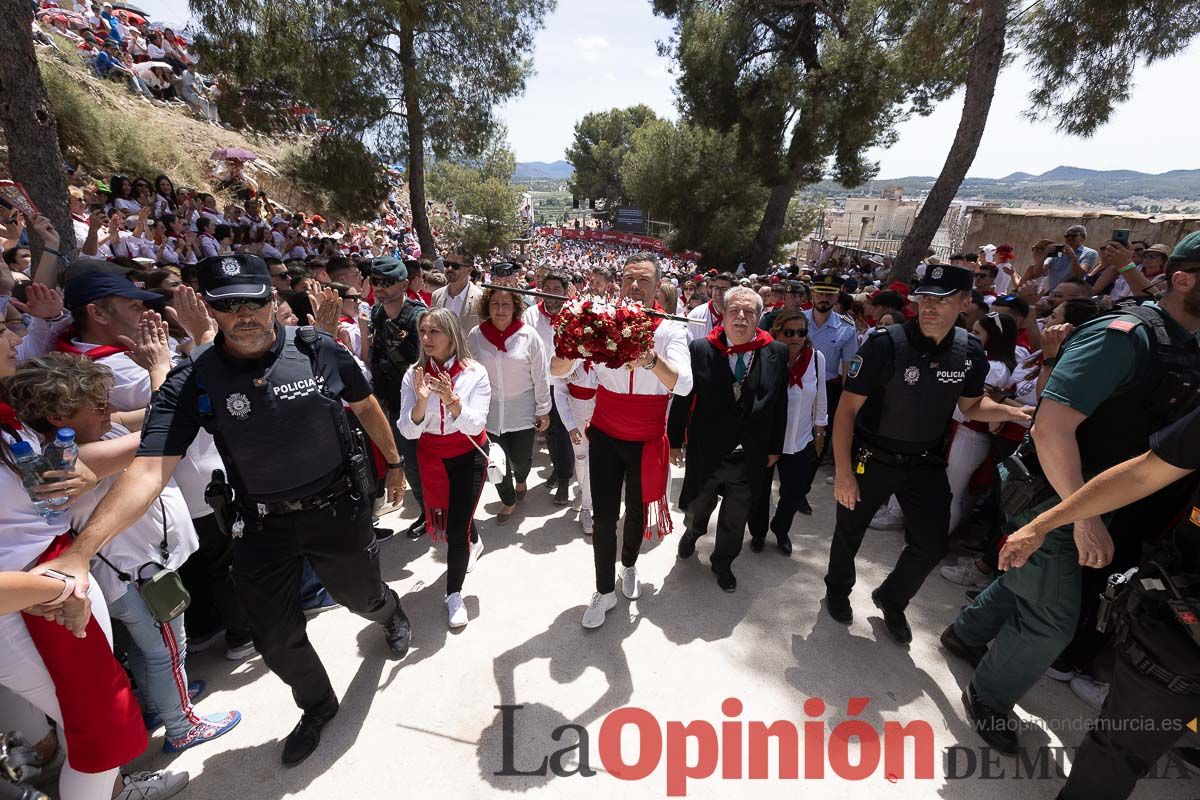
x,y
784,542
305,737
417,529
894,620
972,654
398,632
839,608
725,579
687,545
997,728
803,507
382,534
756,543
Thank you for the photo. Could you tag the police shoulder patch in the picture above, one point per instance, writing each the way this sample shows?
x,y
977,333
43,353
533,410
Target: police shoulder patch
x,y
1123,325
1195,518
855,366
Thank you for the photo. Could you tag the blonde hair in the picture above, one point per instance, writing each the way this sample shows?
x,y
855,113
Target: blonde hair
x,y
445,321
56,385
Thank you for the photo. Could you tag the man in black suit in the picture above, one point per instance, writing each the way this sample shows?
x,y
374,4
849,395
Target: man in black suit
x,y
735,429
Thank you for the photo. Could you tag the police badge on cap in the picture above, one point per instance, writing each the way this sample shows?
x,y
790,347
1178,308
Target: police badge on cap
x,y
943,281
242,275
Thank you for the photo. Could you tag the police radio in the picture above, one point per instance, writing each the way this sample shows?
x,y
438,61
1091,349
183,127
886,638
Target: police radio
x,y
361,477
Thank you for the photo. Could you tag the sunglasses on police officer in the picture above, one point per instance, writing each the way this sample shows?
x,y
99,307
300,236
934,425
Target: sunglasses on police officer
x,y
381,282
231,305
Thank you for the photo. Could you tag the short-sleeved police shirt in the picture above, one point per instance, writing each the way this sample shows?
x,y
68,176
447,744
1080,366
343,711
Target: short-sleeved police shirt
x,y
1097,361
174,417
1178,444
873,366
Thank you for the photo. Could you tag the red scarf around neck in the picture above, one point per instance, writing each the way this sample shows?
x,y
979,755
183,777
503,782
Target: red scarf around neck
x,y
8,417
801,366
499,338
717,316
716,337
65,345
432,451
552,317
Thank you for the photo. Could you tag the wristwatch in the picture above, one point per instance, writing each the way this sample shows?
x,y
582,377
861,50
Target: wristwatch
x,y
68,587
396,465
652,364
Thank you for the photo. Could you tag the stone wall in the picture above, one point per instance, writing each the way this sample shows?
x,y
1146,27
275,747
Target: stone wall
x,y
1022,227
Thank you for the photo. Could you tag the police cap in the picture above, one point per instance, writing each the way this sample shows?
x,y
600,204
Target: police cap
x,y
242,275
1187,250
388,267
829,284
943,281
793,287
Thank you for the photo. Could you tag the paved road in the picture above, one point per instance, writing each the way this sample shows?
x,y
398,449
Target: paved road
x,y
430,727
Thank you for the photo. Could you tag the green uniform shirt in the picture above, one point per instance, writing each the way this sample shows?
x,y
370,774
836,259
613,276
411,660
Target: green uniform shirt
x,y
1098,361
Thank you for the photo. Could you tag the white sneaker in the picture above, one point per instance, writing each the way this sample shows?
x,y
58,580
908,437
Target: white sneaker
x,y
476,550
601,604
152,785
200,645
629,583
1089,691
458,612
585,521
884,520
965,573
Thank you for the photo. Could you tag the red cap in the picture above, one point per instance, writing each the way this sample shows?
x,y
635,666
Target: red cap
x,y
901,287
317,219
1005,250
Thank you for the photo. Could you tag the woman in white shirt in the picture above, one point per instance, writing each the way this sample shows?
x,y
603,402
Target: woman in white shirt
x,y
444,404
519,371
807,421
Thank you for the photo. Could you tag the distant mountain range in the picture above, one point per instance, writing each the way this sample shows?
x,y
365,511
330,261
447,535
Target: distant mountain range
x,y
1061,184
543,171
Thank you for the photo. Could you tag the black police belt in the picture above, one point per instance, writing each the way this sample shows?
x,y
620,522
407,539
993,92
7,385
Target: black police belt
x,y
324,499
1146,665
864,454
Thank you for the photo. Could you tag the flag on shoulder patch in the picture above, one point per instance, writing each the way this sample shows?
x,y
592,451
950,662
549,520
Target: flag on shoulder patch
x,y
1123,325
1195,515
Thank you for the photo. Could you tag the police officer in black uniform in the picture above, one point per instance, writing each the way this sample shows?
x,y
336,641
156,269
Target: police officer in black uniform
x,y
394,350
272,398
890,435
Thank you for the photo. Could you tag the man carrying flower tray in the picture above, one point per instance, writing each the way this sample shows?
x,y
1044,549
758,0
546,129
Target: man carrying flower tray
x,y
640,361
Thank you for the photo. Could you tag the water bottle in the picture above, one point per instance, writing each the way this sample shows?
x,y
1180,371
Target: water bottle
x,y
61,454
31,466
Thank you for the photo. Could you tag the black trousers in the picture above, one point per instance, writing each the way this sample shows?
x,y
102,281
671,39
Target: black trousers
x,y
731,483
1113,755
412,471
267,561
613,463
558,444
466,475
924,496
208,577
518,447
796,473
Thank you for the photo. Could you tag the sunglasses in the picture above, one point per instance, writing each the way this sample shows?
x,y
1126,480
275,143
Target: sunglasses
x,y
232,305
352,297
383,282
798,333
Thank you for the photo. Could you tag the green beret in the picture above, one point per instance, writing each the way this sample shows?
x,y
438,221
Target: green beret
x,y
388,267
1188,248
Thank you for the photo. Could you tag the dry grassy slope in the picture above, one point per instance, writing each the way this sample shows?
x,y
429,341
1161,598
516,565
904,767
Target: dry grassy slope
x,y
108,128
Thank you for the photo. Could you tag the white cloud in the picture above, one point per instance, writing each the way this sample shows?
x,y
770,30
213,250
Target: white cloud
x,y
659,70
609,76
591,48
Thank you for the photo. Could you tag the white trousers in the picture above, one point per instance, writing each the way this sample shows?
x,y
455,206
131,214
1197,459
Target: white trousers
x,y
23,671
582,411
967,451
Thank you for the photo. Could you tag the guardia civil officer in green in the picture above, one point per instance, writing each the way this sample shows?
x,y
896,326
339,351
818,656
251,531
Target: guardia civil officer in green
x,y
1118,378
1155,612
272,398
890,435
395,347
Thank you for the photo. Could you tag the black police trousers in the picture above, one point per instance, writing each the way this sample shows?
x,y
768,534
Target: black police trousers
x,y
731,482
1141,719
208,577
924,495
267,561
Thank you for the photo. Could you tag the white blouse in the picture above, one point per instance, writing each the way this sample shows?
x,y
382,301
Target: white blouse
x,y
473,390
807,406
519,378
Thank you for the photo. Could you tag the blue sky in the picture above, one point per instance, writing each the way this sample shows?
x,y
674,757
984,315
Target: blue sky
x,y
596,55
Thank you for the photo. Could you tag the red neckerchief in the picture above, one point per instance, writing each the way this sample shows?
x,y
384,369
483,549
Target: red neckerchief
x,y
801,366
432,368
716,337
499,338
8,417
717,316
344,318
552,317
65,345
1023,339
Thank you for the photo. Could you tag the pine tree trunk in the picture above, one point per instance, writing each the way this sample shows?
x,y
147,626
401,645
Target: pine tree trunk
x,y
29,126
416,145
766,241
987,58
